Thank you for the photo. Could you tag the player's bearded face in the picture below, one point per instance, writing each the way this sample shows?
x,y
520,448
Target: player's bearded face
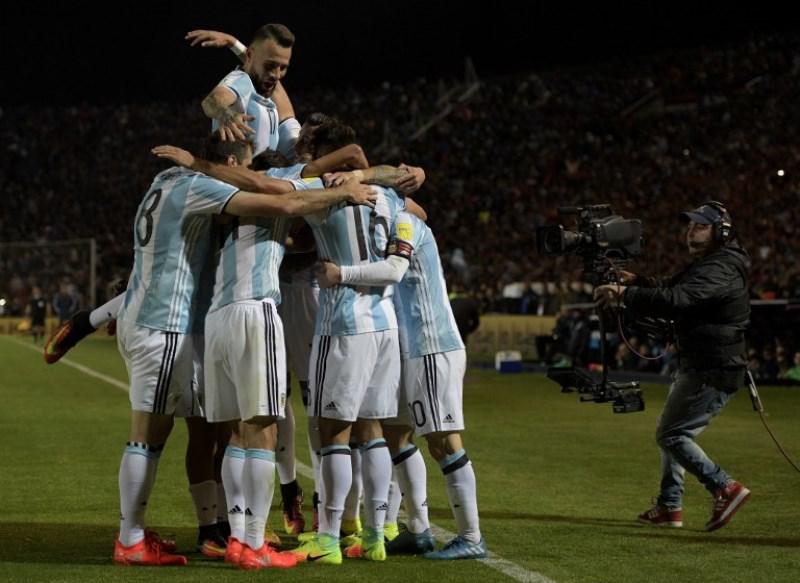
x,y
267,64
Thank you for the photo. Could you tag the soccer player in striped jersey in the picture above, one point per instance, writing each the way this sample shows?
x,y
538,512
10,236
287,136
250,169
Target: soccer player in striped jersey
x,y
434,362
354,376
298,311
241,105
171,242
332,149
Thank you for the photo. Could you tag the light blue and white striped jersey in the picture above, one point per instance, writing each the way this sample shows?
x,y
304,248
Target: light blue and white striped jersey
x,y
293,172
172,236
304,277
250,253
263,109
425,319
353,235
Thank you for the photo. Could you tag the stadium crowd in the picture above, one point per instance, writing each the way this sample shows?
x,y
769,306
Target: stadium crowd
x,y
651,135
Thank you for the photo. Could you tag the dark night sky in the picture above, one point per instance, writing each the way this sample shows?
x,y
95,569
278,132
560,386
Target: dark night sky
x,y
136,52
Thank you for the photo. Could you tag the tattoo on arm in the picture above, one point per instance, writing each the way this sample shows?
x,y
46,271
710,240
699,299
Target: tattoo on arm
x,y
215,108
383,175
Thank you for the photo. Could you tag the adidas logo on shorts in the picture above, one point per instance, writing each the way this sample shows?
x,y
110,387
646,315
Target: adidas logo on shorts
x,y
331,406
449,419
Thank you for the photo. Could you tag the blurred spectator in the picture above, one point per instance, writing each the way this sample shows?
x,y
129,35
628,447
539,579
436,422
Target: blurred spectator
x,y
651,135
794,372
64,303
37,312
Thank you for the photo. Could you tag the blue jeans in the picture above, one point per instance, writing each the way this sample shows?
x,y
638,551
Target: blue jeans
x,y
691,404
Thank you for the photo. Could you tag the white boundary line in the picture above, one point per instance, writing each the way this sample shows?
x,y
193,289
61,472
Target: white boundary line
x,y
492,560
84,369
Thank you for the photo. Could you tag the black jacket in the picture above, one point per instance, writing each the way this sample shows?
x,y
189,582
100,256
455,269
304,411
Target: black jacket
x,y
709,304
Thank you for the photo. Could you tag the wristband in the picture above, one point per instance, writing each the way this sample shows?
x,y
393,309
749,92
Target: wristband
x,y
238,49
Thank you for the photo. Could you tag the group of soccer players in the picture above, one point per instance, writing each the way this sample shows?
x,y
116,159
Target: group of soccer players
x,y
223,292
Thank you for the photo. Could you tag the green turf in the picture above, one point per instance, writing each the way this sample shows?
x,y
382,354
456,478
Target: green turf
x,y
559,484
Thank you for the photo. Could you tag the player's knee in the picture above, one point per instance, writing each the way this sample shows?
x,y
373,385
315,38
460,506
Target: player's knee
x,y
334,431
202,435
397,436
441,444
367,430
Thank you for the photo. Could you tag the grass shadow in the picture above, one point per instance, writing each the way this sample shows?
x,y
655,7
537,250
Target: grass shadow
x,y
77,544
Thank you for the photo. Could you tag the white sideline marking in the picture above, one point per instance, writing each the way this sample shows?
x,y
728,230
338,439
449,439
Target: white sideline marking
x,y
492,560
84,369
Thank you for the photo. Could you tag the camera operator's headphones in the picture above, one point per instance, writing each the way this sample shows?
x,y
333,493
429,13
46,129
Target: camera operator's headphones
x,y
722,228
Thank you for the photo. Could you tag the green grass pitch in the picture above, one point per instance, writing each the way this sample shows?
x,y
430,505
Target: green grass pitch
x,y
559,484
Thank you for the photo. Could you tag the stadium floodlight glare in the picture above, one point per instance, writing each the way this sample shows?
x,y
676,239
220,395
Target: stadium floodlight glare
x,y
781,173
2,301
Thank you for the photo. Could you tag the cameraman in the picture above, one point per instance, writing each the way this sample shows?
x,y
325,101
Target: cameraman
x,y
709,305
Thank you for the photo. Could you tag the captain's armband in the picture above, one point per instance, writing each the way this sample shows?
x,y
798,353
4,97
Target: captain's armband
x,y
400,248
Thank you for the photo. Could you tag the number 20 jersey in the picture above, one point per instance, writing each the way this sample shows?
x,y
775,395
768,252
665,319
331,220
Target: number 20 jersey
x,y
172,235
354,235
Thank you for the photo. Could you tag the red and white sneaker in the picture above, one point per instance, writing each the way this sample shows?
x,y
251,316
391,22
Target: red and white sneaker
x,y
662,516
145,552
265,557
727,502
233,551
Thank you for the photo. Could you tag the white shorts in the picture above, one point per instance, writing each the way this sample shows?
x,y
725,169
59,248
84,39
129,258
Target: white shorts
x,y
159,366
298,311
245,362
355,376
432,393
191,403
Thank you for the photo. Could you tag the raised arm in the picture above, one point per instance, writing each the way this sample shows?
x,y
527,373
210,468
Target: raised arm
x,y
217,104
412,181
239,176
350,156
232,124
304,202
216,39
382,175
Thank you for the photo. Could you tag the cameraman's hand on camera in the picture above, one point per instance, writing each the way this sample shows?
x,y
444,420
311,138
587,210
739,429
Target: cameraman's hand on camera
x,y
609,295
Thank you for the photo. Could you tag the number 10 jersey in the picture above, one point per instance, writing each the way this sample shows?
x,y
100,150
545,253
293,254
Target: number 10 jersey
x,y
353,235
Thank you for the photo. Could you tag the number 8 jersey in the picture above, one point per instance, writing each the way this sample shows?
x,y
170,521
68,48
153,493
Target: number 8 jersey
x,y
172,234
353,235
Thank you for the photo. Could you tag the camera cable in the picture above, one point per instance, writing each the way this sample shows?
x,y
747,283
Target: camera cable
x,y
758,407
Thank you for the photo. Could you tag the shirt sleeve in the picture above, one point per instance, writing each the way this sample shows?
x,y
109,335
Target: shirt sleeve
x,y
239,82
401,242
208,195
384,272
